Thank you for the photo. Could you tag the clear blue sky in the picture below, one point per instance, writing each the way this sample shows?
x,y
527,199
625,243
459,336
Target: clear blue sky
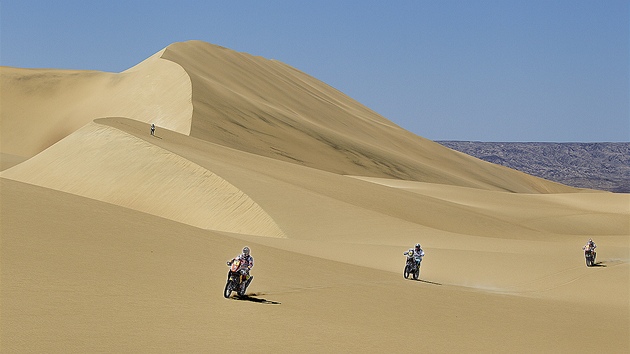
x,y
486,70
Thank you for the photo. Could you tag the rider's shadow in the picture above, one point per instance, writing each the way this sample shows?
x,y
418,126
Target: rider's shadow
x,y
599,264
252,298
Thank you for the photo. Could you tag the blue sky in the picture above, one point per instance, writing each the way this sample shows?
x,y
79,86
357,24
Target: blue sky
x,y
486,70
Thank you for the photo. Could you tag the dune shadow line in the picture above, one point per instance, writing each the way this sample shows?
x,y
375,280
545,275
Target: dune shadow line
x,y
253,298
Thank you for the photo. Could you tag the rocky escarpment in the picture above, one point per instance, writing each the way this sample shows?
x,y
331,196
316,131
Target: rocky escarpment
x,y
603,166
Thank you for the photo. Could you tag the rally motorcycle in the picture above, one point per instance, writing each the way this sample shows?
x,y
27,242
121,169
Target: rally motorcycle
x,y
234,280
411,267
589,254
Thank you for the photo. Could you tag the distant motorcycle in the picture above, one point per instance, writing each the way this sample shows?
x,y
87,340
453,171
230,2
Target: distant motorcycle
x,y
411,267
590,254
234,281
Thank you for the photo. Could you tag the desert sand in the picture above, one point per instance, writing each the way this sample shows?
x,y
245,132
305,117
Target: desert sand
x,y
114,240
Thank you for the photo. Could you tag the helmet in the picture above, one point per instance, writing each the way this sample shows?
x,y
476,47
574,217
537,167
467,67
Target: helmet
x,y
417,246
246,251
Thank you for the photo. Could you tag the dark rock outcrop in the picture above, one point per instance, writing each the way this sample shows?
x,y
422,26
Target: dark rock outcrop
x,y
603,166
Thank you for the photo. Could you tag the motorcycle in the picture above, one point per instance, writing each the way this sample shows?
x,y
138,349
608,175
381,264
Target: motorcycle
x,y
411,267
589,254
234,280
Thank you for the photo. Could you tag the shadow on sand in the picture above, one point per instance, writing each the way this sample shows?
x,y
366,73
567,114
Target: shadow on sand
x,y
599,264
426,281
253,298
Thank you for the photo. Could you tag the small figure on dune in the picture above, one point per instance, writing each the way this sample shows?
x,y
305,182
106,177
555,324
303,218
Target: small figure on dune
x,y
152,129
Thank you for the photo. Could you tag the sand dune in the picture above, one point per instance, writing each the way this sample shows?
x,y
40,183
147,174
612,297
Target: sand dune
x,y
113,240
270,109
80,275
41,107
106,164
247,103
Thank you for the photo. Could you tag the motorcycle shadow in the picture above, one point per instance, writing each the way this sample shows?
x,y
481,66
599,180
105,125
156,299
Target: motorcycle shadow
x,y
253,298
599,264
426,281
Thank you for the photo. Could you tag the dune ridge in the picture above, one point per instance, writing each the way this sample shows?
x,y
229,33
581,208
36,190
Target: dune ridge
x,y
244,102
42,106
106,164
268,108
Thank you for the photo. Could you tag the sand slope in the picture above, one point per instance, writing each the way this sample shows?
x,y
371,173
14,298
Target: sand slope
x,y
80,275
39,107
268,108
141,176
244,102
113,240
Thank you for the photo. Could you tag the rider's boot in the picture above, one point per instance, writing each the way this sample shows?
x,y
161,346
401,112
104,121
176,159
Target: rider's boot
x,y
249,280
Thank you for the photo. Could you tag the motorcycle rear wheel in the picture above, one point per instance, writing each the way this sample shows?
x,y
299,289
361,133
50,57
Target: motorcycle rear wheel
x,y
416,274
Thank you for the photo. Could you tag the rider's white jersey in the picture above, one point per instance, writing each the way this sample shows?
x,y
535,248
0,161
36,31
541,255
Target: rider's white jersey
x,y
247,262
416,254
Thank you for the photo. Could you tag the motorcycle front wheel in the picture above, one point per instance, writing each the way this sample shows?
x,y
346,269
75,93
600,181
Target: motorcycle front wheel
x,y
241,290
406,272
589,260
228,289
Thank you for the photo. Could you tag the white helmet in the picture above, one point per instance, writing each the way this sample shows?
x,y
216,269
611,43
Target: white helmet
x,y
246,251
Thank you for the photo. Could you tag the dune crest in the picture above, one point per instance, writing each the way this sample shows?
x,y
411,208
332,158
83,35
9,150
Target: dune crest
x,y
42,106
106,164
244,102
268,108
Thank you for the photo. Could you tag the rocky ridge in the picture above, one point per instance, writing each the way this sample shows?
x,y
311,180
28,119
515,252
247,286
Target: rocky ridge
x,y
602,166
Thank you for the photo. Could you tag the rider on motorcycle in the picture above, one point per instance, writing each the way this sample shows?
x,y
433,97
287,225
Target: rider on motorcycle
x,y
590,246
247,263
417,252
